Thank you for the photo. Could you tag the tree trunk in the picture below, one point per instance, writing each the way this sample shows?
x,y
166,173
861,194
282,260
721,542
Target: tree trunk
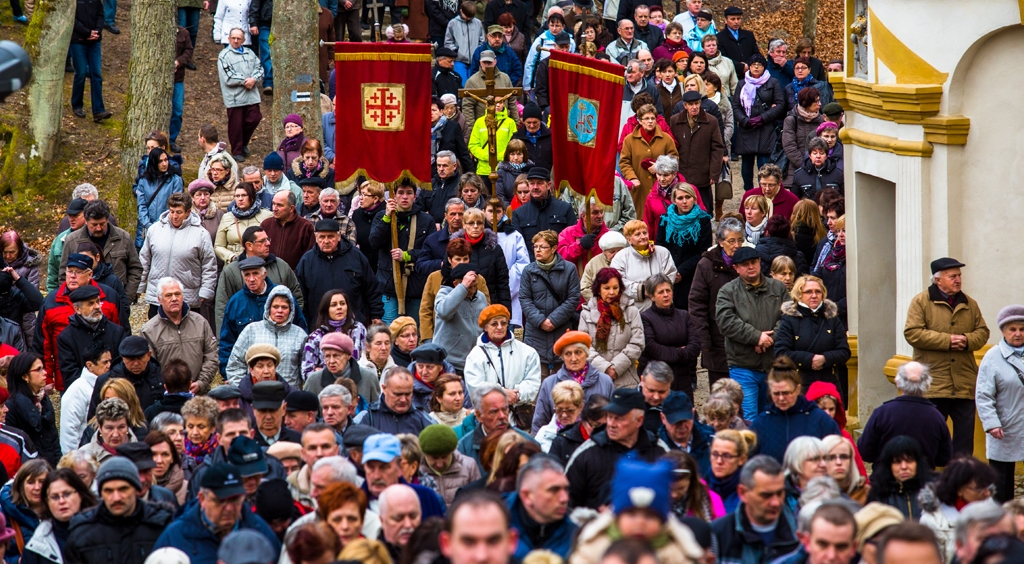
x,y
33,149
150,86
295,52
810,18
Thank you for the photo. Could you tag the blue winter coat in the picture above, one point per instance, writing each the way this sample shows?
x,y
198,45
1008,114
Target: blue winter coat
x,y
776,428
189,535
380,417
560,541
151,198
507,61
700,445
242,309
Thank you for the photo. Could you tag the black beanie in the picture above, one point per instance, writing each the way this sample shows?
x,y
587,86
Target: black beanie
x,y
532,110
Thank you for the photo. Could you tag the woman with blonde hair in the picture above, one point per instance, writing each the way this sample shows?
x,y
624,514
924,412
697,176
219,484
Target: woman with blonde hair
x,y
756,211
841,467
504,444
783,269
811,334
567,399
641,260
123,388
366,551
729,451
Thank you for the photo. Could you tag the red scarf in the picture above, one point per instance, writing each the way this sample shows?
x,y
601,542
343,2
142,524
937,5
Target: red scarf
x,y
647,136
473,241
604,323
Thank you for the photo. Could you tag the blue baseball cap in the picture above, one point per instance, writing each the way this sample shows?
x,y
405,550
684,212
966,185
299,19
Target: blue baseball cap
x,y
677,407
381,447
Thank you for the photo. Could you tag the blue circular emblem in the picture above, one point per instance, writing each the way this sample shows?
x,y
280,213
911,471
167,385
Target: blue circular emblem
x,y
583,120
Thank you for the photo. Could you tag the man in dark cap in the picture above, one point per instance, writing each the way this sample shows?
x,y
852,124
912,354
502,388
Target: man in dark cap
x,y
87,326
405,253
75,219
445,79
700,146
269,407
537,137
141,454
748,309
311,188
233,280
247,456
833,112
682,431
227,397
301,409
736,43
484,59
355,436
563,42
945,327
221,510
123,528
334,263
505,59
428,365
543,211
57,309
592,466
139,368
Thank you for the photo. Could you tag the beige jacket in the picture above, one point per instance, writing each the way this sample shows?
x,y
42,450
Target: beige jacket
x,y
624,344
228,243
594,540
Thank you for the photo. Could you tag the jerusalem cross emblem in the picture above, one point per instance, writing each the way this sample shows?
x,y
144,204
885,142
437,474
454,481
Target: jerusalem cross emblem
x,y
384,107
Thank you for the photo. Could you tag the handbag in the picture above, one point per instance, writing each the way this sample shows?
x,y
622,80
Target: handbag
x,y
723,189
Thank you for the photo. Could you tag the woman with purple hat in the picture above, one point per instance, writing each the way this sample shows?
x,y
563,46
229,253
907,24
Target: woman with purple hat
x,y
999,395
294,137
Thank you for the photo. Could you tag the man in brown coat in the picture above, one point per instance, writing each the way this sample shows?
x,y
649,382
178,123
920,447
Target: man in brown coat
x,y
945,327
699,142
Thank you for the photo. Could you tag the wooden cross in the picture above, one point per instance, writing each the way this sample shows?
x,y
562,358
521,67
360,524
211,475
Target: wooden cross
x,y
373,5
491,96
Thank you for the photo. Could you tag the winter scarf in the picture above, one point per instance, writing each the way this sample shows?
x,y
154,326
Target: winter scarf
x,y
604,323
173,479
750,86
646,252
292,144
836,257
806,115
200,452
250,213
516,168
580,376
799,85
547,266
681,229
753,232
726,486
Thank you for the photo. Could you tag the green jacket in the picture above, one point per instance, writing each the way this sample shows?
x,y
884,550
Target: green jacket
x,y
743,312
478,142
53,263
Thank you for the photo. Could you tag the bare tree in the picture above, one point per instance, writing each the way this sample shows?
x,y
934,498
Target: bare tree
x,y
31,152
810,18
150,86
295,52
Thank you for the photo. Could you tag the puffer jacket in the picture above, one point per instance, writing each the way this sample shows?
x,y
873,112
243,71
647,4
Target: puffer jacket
x,y
941,519
512,365
192,340
726,70
507,174
287,337
636,269
803,333
488,260
224,191
229,233
151,197
594,382
771,247
325,172
625,341
775,428
185,253
191,536
808,179
234,68
460,472
930,321
596,536
796,132
770,104
743,312
550,295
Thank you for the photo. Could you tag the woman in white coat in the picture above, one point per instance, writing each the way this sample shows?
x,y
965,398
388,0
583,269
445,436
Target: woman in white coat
x,y
641,260
498,358
516,256
999,395
229,15
615,327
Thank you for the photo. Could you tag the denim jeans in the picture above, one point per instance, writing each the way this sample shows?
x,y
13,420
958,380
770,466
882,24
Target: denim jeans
x,y
412,309
177,106
87,58
109,11
755,390
188,18
268,66
463,71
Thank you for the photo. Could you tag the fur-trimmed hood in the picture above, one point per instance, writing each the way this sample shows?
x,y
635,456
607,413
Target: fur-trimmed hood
x,y
795,310
299,170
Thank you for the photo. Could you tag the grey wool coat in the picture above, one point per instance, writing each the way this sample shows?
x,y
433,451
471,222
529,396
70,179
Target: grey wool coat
x,y
999,395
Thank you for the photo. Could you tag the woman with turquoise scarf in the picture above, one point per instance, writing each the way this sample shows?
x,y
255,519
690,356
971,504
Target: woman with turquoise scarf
x,y
685,230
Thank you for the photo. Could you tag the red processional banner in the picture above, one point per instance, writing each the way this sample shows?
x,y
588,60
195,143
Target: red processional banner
x,y
586,97
382,111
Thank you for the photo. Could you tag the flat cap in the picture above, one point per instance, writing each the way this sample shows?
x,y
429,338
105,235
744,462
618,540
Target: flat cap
x,y
250,263
331,225
429,353
84,293
133,347
268,394
76,206
445,52
225,392
945,263
743,254
538,172
691,96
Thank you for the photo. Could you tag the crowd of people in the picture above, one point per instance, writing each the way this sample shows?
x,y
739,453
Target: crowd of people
x,y
492,372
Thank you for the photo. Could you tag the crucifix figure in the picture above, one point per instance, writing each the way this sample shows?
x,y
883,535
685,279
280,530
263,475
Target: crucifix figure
x,y
373,6
491,97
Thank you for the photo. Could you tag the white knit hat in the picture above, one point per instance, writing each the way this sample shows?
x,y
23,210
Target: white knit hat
x,y
612,240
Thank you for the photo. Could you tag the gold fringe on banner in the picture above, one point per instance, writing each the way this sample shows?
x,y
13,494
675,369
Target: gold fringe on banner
x,y
585,70
425,185
382,57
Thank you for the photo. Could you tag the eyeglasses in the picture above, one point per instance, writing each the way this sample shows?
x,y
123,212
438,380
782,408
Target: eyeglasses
x,y
566,411
474,223
840,457
723,456
58,497
733,241
783,393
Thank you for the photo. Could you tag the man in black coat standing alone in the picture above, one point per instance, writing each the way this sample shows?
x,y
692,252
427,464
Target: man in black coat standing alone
x,y
735,43
543,211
